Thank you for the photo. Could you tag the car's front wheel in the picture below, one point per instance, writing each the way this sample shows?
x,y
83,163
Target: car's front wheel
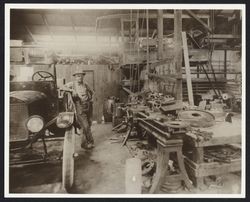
x,y
68,158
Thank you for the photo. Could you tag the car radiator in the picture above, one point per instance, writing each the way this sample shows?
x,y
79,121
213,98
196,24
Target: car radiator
x,y
18,117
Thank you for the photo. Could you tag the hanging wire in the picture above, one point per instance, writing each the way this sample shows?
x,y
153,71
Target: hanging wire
x,y
147,27
130,52
132,49
142,26
211,50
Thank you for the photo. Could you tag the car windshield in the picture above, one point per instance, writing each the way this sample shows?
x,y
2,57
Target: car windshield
x,y
31,73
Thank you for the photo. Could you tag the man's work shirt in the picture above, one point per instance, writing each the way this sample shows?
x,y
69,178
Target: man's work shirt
x,y
82,89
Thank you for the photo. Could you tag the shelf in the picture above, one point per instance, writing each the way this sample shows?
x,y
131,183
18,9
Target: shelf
x,y
201,80
171,78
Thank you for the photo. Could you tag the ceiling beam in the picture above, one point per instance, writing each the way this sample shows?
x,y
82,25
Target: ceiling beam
x,y
47,26
142,15
150,15
30,33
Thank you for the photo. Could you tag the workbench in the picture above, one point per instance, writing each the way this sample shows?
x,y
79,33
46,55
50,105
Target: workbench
x,y
168,141
223,133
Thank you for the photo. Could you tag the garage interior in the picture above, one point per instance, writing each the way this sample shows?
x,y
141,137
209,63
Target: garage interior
x,y
166,108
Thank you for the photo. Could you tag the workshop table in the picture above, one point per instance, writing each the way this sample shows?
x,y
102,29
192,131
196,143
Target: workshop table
x,y
223,133
167,142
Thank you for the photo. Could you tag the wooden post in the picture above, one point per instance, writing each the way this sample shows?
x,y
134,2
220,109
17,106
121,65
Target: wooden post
x,y
123,44
122,30
178,52
133,176
225,63
146,85
160,34
187,68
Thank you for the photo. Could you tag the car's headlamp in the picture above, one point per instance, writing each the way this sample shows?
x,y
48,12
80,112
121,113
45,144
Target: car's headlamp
x,y
65,119
35,123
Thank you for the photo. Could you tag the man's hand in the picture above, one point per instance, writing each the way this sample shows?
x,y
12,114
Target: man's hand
x,y
74,93
66,89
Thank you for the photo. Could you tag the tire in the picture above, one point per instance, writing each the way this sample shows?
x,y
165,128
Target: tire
x,y
68,159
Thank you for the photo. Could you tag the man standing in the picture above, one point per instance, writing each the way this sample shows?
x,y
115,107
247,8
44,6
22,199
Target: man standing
x,y
82,97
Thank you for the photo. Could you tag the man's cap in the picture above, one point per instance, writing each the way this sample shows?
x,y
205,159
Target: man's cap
x,y
79,72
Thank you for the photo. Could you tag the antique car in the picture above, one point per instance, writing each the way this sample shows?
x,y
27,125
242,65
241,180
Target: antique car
x,y
38,113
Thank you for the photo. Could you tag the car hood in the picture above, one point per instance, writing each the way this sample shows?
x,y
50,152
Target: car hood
x,y
27,96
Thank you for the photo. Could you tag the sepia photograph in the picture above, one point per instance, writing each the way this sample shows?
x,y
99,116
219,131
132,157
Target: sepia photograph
x,y
125,100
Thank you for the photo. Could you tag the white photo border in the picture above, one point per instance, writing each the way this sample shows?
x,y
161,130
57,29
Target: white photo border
x,y
242,7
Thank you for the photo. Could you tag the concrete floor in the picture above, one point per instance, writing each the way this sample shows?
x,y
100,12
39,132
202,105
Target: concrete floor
x,y
100,171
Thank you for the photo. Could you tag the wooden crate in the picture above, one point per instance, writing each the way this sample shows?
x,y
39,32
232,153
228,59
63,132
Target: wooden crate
x,y
213,168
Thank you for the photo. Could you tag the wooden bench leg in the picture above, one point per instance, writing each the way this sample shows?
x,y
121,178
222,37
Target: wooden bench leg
x,y
198,157
161,168
183,170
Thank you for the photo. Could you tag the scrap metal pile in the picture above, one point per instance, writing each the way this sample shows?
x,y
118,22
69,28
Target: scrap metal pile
x,y
222,154
155,110
163,115
219,102
201,135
